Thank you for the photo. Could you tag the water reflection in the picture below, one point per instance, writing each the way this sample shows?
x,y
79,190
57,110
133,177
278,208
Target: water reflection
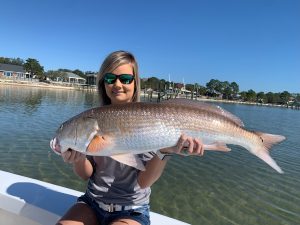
x,y
29,100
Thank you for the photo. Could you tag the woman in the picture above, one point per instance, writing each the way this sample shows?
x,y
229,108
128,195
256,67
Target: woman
x,y
116,193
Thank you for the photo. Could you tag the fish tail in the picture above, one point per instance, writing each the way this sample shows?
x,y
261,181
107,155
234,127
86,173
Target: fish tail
x,y
265,156
268,140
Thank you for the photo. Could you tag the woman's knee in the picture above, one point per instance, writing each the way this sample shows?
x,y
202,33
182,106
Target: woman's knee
x,y
79,214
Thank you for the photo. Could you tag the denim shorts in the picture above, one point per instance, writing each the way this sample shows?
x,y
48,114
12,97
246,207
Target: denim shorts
x,y
140,214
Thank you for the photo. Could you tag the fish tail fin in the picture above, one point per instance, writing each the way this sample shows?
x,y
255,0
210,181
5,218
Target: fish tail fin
x,y
265,156
268,141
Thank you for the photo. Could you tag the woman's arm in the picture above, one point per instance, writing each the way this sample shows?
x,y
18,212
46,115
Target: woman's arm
x,y
155,166
81,165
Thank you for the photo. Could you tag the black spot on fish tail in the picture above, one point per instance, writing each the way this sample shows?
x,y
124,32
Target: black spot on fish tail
x,y
262,140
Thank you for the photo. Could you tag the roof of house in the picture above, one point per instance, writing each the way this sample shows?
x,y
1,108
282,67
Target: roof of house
x,y
11,68
73,75
92,75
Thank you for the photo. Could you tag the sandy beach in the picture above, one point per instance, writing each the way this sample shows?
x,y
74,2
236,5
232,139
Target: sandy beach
x,y
35,83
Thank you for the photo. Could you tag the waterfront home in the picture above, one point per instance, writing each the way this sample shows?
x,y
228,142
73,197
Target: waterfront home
x,y
91,78
71,78
12,71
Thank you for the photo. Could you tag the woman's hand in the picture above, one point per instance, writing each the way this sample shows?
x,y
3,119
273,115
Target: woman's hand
x,y
72,156
81,165
186,146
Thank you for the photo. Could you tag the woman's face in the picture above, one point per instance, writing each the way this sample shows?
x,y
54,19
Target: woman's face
x,y
118,92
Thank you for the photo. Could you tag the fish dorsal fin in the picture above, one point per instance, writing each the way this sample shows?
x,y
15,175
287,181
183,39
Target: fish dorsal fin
x,y
205,106
130,160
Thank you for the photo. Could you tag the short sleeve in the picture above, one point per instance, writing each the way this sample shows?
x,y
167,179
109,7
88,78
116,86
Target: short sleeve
x,y
145,157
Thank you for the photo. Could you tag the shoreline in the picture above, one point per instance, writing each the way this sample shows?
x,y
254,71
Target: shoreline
x,y
33,83
142,95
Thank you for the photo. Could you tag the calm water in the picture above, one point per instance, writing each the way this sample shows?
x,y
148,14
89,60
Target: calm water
x,y
219,188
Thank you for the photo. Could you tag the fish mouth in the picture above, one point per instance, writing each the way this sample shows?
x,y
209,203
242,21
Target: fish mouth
x,y
54,145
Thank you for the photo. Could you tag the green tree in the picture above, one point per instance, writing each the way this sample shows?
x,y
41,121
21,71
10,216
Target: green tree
x,y
152,82
155,82
243,95
213,86
90,72
235,88
277,99
226,90
285,97
4,60
220,86
12,61
162,84
189,87
251,96
34,68
65,70
202,90
273,98
270,98
79,73
261,97
17,61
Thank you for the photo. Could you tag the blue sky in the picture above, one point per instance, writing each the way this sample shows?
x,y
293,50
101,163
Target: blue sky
x,y
255,43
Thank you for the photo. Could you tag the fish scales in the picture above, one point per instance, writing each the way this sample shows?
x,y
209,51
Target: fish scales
x,y
135,121
143,127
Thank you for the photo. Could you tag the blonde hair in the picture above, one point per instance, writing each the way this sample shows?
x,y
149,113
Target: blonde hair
x,y
111,62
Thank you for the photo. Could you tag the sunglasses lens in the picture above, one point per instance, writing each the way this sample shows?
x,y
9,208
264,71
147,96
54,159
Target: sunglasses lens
x,y
126,78
110,78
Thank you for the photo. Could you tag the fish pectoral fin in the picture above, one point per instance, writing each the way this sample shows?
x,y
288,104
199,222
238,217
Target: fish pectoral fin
x,y
130,160
98,143
217,146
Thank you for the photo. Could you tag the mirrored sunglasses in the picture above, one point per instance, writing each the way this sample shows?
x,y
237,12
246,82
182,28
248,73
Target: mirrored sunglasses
x,y
111,78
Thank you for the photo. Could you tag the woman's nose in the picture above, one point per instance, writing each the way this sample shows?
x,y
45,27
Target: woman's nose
x,y
118,83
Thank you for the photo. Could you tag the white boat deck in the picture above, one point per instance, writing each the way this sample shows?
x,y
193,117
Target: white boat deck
x,y
29,201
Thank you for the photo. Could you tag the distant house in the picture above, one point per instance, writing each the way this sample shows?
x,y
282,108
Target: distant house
x,y
185,91
91,78
72,78
12,71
